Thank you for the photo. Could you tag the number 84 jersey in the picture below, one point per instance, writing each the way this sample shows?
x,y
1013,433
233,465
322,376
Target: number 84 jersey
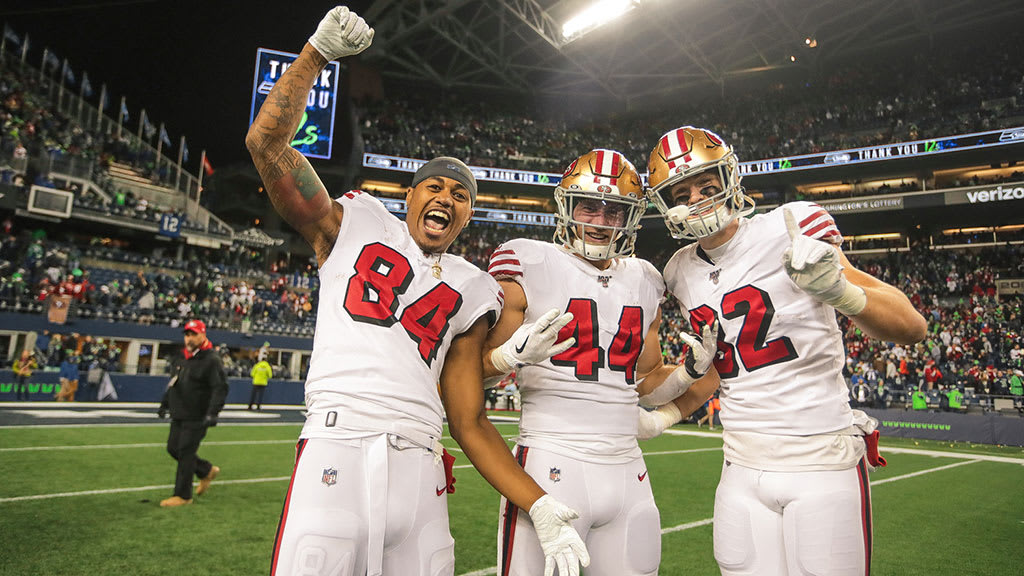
x,y
780,351
385,324
583,401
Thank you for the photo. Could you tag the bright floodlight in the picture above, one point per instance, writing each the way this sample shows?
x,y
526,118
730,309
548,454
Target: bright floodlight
x,y
597,14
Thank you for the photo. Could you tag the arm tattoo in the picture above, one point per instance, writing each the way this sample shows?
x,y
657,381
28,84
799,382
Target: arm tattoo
x,y
293,186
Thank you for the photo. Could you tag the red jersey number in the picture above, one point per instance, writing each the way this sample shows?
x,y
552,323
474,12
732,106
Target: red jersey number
x,y
586,356
381,275
755,307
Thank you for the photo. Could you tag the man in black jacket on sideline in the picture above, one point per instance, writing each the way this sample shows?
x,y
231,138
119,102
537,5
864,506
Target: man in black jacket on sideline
x,y
194,398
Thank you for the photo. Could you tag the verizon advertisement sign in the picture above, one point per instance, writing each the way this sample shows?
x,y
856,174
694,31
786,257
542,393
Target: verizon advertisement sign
x,y
987,194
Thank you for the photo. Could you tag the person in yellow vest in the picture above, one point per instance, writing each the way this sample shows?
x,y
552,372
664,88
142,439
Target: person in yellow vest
x,y
23,368
261,374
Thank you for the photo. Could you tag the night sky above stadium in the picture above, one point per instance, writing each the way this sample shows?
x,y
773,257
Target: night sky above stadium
x,y
189,63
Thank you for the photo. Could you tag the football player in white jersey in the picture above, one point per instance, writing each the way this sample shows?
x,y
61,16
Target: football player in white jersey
x,y
794,497
397,316
578,432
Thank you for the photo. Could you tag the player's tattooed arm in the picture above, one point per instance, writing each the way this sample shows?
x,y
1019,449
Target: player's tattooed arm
x,y
293,186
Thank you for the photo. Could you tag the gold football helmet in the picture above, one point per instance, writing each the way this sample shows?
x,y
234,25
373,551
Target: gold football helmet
x,y
686,152
599,200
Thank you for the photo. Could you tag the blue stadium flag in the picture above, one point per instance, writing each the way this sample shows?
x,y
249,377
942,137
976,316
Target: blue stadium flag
x,y
124,111
184,150
163,136
86,87
51,58
9,34
68,74
147,126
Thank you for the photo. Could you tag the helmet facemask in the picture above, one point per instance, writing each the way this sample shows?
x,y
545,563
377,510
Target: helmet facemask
x,y
599,183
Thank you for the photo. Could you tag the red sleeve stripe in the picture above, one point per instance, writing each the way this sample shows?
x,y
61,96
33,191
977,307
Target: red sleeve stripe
x,y
500,273
821,212
502,252
819,228
502,262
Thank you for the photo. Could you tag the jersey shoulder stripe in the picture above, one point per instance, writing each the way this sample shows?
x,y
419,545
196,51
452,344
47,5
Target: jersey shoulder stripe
x,y
815,222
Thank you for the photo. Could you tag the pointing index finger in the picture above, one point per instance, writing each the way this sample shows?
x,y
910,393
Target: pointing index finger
x,y
791,225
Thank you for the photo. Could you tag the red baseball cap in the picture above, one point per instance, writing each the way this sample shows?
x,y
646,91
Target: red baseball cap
x,y
197,326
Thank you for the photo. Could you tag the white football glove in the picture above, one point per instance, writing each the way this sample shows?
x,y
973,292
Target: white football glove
x,y
814,267
561,543
654,422
532,343
341,33
699,357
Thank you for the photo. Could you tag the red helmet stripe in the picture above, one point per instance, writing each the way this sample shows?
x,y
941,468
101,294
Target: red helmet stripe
x,y
684,147
714,139
666,150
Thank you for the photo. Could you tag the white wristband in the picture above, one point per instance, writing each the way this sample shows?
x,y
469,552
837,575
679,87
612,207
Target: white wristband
x,y
852,301
499,362
678,382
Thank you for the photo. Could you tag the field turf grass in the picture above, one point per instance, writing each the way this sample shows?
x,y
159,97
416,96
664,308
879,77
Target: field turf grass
x,y
84,501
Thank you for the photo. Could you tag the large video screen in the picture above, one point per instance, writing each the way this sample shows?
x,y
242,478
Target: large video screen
x,y
316,130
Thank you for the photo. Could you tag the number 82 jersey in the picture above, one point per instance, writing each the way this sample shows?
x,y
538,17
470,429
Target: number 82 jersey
x,y
780,351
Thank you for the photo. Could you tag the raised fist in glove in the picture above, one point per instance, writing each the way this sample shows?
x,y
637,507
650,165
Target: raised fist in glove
x,y
161,412
534,342
561,543
699,357
814,266
341,33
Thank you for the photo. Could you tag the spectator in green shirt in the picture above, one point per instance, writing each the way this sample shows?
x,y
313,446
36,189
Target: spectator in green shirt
x,y
1017,383
919,401
261,374
956,399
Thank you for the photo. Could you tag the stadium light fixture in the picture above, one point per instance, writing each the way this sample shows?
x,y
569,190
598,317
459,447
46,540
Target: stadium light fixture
x,y
594,16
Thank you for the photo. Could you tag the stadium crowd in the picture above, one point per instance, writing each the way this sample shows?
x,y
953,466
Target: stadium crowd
x,y
975,341
959,89
232,289
975,338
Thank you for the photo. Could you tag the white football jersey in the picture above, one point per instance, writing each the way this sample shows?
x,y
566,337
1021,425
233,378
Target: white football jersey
x,y
583,401
384,326
780,351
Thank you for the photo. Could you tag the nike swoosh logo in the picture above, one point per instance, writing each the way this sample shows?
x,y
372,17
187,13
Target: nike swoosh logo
x,y
519,349
641,477
440,490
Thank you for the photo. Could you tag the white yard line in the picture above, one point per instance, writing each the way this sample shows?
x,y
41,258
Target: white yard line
x,y
162,444
921,472
965,455
136,489
143,445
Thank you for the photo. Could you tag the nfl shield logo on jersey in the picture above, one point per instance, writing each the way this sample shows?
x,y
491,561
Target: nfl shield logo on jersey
x,y
555,475
604,280
330,476
714,275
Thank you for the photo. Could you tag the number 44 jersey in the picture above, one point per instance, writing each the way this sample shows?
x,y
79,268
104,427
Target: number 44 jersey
x,y
582,402
384,326
780,352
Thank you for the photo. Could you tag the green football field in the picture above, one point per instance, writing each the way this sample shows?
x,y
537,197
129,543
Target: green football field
x,y
80,500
